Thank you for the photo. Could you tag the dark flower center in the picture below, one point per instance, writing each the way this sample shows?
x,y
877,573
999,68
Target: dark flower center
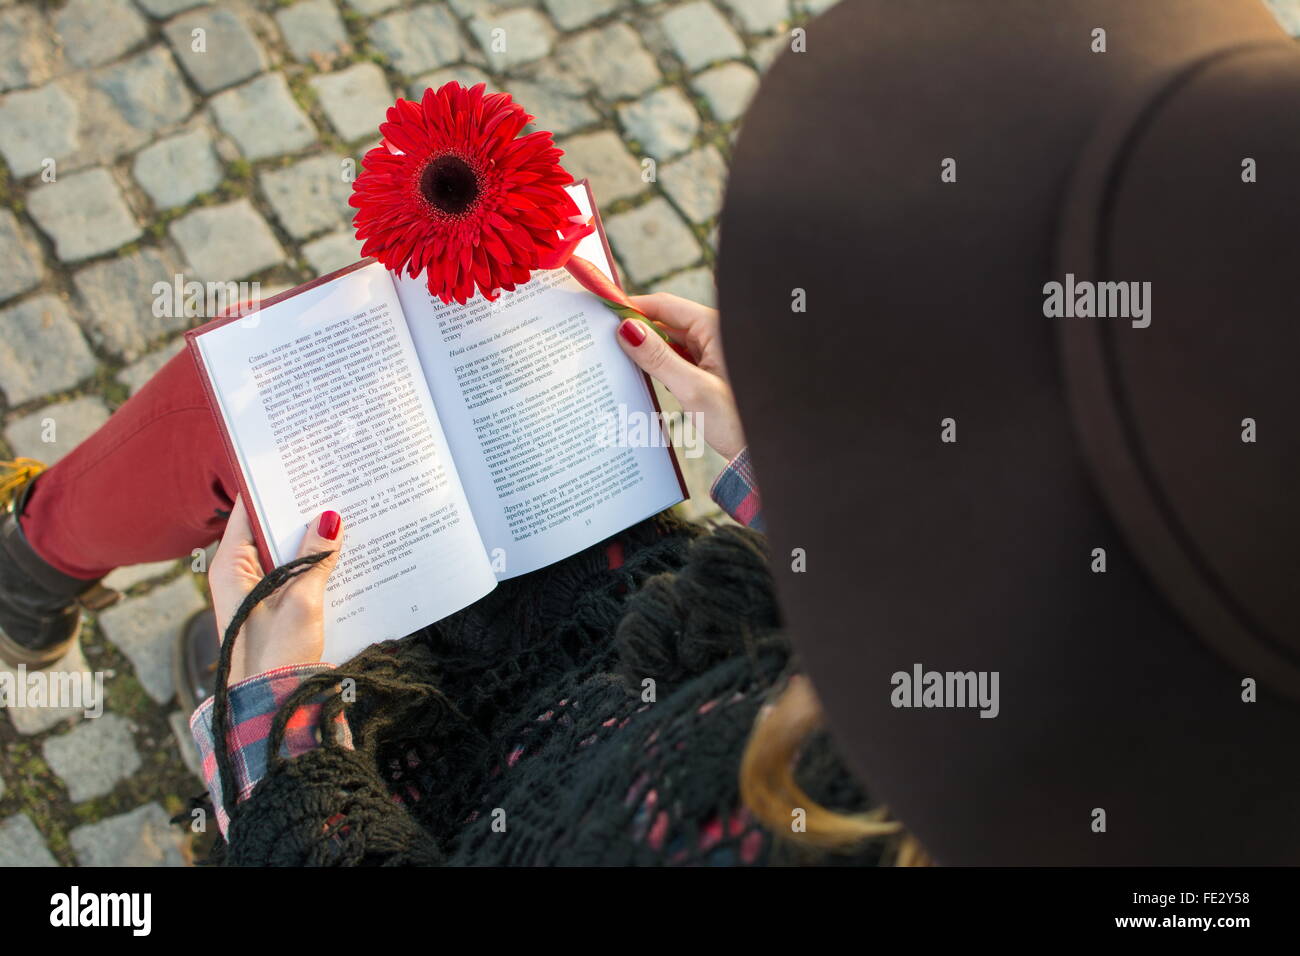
x,y
449,184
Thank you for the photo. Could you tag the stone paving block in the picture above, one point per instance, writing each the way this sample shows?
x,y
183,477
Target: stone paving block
x,y
553,109
263,118
119,298
93,757
173,171
228,242
312,28
727,89
143,628
96,31
332,252
135,375
699,35
122,579
664,122
229,52
466,76
161,9
602,158
143,837
513,37
821,6
309,197
765,52
36,125
611,61
419,39
356,100
27,55
695,183
571,14
694,284
35,716
21,844
41,350
147,90
652,240
21,256
49,433
84,214
179,721
370,8
759,16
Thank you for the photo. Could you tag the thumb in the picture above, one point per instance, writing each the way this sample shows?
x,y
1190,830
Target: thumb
x,y
323,534
657,359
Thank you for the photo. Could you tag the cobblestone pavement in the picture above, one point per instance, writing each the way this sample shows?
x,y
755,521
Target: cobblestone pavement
x,y
130,155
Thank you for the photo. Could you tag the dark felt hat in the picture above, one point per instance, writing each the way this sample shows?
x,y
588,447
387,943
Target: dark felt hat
x,y
1115,530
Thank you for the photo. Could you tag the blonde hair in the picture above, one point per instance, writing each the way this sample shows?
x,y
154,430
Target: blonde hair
x,y
770,791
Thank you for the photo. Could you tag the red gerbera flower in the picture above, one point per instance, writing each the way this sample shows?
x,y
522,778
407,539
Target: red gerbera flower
x,y
453,193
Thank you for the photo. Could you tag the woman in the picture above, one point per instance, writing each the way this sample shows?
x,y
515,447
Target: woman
x,y
592,712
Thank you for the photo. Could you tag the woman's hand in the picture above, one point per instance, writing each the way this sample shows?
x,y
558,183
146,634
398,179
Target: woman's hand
x,y
701,388
289,626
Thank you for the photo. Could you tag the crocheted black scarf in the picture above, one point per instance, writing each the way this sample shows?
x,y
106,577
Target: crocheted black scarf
x,y
530,705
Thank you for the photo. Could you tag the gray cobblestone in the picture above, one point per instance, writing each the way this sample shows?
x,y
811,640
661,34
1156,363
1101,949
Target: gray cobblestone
x,y
96,31
35,718
173,171
124,578
611,61
694,284
161,9
759,16
227,243
135,375
332,252
695,183
143,628
355,99
372,8
93,757
179,721
554,109
27,57
466,76
417,40
36,125
652,240
263,118
147,90
21,844
143,837
41,351
22,259
525,36
84,213
602,158
312,27
49,433
309,197
571,14
700,35
727,89
231,51
664,122
119,298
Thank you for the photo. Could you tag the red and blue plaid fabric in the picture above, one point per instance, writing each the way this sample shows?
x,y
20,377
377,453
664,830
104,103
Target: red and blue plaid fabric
x,y
254,701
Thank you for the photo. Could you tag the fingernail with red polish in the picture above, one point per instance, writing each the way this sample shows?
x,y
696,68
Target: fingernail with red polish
x,y
632,331
329,525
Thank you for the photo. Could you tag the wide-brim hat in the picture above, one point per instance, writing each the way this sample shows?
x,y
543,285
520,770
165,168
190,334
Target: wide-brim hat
x,y
965,473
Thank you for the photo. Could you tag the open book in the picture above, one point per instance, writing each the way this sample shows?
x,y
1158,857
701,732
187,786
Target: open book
x,y
463,445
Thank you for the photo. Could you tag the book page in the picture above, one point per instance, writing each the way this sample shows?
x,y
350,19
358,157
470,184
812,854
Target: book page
x,y
324,400
527,388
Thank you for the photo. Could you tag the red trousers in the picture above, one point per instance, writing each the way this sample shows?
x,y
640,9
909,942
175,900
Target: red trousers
x,y
154,483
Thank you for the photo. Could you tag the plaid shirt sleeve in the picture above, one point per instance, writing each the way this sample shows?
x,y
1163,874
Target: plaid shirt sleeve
x,y
253,704
736,492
